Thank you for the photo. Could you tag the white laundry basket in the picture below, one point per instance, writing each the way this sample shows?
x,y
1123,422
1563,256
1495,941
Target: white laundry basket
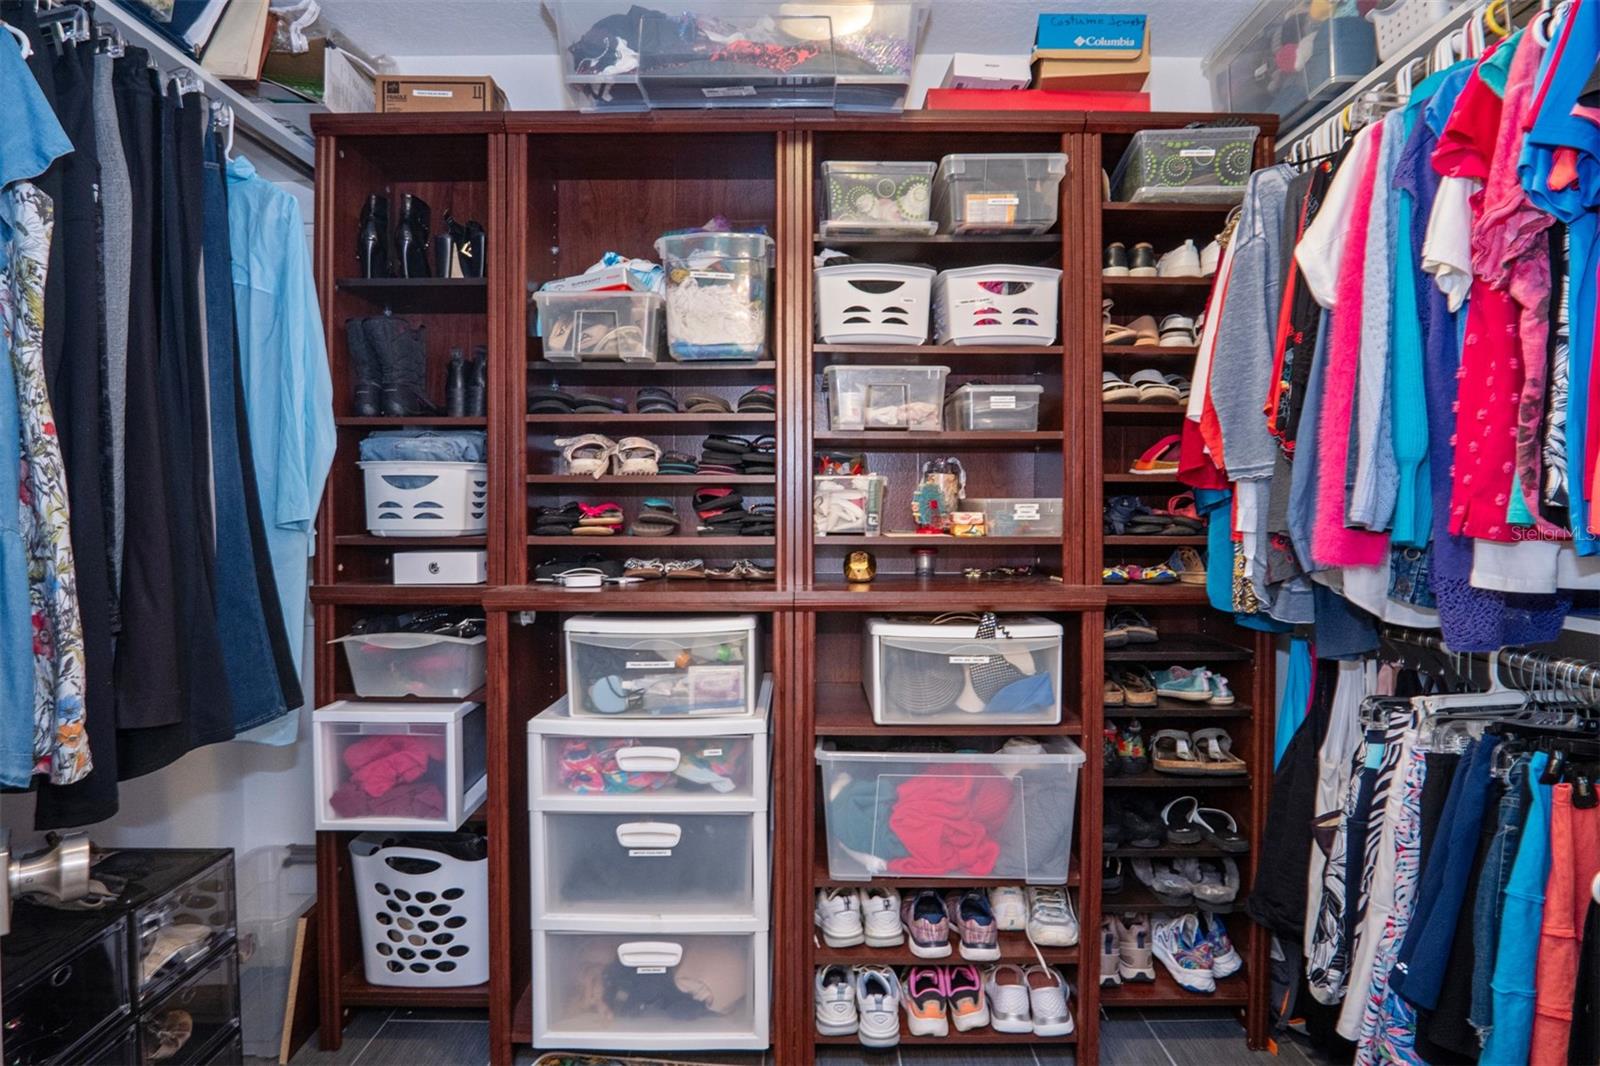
x,y
1402,20
873,303
420,930
426,499
996,305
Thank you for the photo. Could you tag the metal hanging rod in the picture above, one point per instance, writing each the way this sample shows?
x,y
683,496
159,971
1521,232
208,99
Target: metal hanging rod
x,y
1571,674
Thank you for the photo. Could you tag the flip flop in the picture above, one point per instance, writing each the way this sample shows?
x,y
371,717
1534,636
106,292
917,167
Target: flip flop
x,y
550,402
1172,752
762,398
1219,829
705,403
657,518
1180,830
1114,390
1154,461
654,400
1215,748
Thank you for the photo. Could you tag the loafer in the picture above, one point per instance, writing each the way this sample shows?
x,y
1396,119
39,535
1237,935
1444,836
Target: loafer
x,y
1116,260
1142,263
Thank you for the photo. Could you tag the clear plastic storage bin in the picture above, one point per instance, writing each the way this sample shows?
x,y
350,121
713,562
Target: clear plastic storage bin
x,y
720,55
647,864
1286,60
1022,517
398,766
717,294
1014,407
426,499
589,764
430,665
847,504
885,397
659,991
1002,193
876,198
873,303
1186,166
986,811
917,672
276,885
874,49
206,1003
998,304
621,666
598,326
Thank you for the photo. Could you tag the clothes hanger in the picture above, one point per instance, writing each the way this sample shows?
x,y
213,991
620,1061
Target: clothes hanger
x,y
22,39
222,116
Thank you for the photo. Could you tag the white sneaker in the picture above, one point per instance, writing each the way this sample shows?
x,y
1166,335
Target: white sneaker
x,y
836,1001
1180,945
1010,908
878,1006
838,915
1182,262
1007,988
1051,920
1048,992
1225,960
1210,259
880,916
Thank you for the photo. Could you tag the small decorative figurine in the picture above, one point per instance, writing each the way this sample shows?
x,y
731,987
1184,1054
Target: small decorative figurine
x,y
860,568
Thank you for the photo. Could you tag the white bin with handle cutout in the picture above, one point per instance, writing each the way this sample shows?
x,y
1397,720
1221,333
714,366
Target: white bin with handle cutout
x,y
424,914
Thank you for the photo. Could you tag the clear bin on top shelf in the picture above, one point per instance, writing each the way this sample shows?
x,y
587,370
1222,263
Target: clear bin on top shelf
x,y
718,295
1186,166
888,197
999,193
1289,59
874,49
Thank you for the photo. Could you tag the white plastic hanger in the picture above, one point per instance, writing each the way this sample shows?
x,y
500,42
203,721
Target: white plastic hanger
x,y
22,39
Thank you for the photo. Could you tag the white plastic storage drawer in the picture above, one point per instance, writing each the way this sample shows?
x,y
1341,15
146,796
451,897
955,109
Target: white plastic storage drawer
x,y
649,865
1000,193
658,991
599,326
664,665
885,397
430,665
873,303
996,304
426,499
1011,407
888,197
665,764
994,809
921,672
398,766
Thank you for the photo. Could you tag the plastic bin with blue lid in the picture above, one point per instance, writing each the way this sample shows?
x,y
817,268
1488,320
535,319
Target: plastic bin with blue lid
x,y
718,295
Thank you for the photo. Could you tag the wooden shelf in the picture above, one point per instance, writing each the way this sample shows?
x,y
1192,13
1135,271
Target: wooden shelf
x,y
1135,897
1180,648
1201,850
708,366
679,595
1124,208
908,592
1152,779
421,295
1126,478
356,992
688,540
1014,947
888,440
1166,707
1179,287
680,420
1142,412
915,541
382,421
1165,992
1155,540
943,240
1142,351
367,540
981,1035
842,711
934,354
653,479
380,593
1178,595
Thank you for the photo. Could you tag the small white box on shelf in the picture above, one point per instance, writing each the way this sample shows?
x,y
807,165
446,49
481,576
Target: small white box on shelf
x,y
426,499
920,673
971,70
426,665
441,568
398,766
663,666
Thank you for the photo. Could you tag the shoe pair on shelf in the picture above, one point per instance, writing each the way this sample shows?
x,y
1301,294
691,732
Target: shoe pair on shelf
x,y
389,368
1210,884
1194,948
1130,516
1147,386
1174,331
1184,261
867,1000
1181,822
466,383
405,251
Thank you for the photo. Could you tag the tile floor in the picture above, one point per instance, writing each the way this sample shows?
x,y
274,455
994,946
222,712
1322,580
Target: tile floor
x,y
1127,1038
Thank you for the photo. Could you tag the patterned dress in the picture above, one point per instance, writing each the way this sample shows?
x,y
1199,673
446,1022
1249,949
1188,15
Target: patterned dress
x,y
1389,1023
61,744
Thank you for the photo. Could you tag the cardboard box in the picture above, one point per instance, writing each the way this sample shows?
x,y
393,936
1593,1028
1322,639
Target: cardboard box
x,y
1033,100
417,93
1091,52
968,70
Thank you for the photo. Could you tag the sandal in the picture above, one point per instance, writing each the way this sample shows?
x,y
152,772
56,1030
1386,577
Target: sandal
x,y
1169,886
677,464
650,569
692,569
550,402
1115,638
1133,627
654,400
1145,333
636,457
1172,752
1154,462
1152,387
1120,511
706,403
1115,695
1181,383
1215,747
1137,688
1114,390
589,403
761,399
588,455
1141,830
599,520
1219,829
1180,830
657,518
1192,568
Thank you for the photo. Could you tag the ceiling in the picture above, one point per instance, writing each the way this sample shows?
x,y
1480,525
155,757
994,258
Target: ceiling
x,y
523,27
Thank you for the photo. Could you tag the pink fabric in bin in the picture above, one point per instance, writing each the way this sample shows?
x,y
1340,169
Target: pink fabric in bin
x,y
379,763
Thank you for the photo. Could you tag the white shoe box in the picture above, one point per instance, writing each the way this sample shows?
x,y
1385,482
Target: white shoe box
x,y
441,568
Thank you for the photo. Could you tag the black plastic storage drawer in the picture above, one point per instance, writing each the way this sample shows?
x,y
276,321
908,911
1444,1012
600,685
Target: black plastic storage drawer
x,y
60,990
181,904
188,1021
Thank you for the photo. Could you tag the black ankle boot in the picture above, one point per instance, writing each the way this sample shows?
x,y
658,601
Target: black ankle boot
x,y
401,351
456,385
478,382
363,370
372,238
413,237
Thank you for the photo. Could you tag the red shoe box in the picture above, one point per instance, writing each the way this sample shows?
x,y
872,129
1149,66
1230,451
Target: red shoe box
x,y
1033,100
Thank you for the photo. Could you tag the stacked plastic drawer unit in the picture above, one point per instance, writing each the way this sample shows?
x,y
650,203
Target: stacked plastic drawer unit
x,y
648,793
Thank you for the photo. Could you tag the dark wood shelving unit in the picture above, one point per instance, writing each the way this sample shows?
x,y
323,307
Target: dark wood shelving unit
x,y
555,191
1155,779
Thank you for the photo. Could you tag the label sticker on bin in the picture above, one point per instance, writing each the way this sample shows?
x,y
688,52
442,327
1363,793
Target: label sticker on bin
x,y
722,92
987,207
1208,154
712,275
649,664
1025,512
649,853
650,969
1003,403
971,660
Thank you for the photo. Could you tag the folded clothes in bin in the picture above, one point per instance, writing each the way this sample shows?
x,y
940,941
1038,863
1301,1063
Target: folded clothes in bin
x,y
425,445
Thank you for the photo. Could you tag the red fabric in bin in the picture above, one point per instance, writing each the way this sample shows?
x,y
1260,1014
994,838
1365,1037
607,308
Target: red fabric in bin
x,y
948,825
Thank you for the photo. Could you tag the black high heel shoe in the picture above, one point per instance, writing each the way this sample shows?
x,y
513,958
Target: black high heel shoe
x,y
372,237
412,237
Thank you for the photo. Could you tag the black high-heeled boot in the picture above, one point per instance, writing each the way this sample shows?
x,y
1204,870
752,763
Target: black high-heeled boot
x,y
456,386
478,382
372,237
412,237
